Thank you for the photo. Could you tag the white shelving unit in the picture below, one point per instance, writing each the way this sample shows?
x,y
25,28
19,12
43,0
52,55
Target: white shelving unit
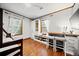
x,y
72,45
54,44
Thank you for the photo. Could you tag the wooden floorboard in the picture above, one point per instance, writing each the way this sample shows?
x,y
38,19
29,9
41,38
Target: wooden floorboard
x,y
34,48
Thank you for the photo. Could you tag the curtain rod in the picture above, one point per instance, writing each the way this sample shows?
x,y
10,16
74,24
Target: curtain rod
x,y
55,11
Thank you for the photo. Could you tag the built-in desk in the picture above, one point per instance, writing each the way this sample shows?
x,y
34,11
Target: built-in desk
x,y
62,34
72,42
64,41
52,41
59,39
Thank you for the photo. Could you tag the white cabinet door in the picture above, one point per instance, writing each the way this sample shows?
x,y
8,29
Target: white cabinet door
x,y
71,44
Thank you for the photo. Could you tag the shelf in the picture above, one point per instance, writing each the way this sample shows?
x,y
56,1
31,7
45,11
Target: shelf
x,y
59,47
59,50
50,43
56,44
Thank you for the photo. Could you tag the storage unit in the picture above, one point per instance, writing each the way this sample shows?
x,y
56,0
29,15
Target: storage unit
x,y
72,45
59,41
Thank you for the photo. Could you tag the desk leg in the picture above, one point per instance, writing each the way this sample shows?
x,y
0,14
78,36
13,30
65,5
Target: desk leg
x,y
54,45
47,46
65,48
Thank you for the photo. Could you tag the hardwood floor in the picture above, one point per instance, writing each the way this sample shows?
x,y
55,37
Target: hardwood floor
x,y
34,48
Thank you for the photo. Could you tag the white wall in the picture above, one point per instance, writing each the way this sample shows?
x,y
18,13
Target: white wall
x,y
75,22
59,20
26,26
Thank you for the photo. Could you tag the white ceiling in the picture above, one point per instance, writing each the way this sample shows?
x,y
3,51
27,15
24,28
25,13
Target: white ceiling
x,y
33,10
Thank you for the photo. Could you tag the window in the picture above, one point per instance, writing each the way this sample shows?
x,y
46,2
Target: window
x,y
36,25
43,26
15,26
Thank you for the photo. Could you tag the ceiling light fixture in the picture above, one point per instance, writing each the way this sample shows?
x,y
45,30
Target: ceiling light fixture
x,y
32,5
28,5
